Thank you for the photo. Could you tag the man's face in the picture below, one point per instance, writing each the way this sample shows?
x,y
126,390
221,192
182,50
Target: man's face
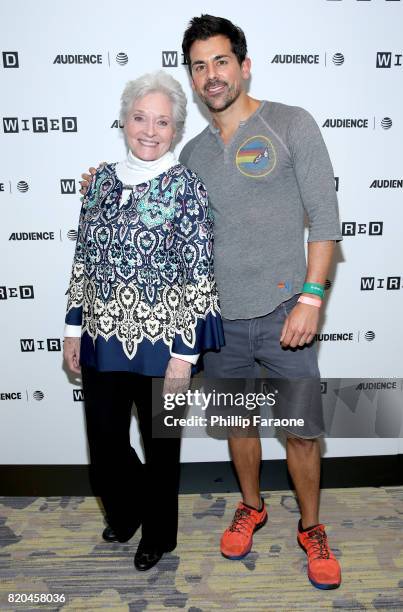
x,y
217,77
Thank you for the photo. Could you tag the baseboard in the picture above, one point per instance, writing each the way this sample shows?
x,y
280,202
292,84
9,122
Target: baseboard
x,y
206,477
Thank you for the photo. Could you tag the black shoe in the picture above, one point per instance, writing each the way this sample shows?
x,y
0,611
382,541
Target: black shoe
x,y
109,535
146,559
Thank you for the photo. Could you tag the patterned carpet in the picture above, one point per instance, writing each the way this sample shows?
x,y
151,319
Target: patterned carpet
x,y
53,545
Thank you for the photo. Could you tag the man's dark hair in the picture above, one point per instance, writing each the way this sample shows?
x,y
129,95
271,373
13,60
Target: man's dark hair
x,y
206,26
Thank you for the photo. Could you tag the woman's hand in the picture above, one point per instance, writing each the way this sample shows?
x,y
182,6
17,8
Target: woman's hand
x,y
177,376
71,354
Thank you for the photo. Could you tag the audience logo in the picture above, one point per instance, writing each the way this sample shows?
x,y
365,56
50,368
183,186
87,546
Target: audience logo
x,y
117,124
380,385
10,395
38,395
72,234
89,58
299,58
23,236
386,123
386,184
335,337
361,122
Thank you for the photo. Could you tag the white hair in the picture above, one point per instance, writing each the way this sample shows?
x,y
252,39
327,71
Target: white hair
x,y
161,82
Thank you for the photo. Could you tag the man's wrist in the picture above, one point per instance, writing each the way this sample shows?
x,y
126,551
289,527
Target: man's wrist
x,y
314,288
310,300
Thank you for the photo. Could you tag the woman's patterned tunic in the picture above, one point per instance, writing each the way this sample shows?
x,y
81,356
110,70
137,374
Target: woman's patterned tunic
x,y
142,282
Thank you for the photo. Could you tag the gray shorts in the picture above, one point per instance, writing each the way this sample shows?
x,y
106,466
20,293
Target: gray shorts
x,y
252,350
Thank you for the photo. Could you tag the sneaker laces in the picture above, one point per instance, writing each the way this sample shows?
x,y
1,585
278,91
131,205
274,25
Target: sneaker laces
x,y
317,543
242,521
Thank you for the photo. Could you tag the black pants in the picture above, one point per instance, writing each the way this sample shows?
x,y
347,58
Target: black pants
x,y
131,493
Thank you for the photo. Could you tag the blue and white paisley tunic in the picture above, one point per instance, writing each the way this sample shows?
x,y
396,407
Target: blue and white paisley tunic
x,y
142,284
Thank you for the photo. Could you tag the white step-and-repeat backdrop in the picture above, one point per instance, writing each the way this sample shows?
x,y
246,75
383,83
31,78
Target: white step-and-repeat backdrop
x,y
63,66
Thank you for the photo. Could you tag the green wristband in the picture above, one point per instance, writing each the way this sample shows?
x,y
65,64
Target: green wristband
x,y
314,288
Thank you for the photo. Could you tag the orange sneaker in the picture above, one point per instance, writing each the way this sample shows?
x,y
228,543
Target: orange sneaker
x,y
323,568
237,540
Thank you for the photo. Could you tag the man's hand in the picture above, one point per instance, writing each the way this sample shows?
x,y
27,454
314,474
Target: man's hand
x,y
300,326
177,376
87,178
71,354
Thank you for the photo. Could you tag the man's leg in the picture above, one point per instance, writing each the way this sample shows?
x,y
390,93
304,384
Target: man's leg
x,y
246,454
303,461
235,360
295,374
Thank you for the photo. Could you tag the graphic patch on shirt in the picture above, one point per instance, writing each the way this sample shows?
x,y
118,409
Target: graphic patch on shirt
x,y
256,157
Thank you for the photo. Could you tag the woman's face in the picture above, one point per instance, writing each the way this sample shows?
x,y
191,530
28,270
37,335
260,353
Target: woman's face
x,y
150,126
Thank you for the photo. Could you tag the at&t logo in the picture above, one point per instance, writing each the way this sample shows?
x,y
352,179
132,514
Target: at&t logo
x,y
338,59
18,395
122,58
386,123
22,187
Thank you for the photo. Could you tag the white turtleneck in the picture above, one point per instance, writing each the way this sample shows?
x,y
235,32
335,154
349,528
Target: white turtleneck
x,y
133,171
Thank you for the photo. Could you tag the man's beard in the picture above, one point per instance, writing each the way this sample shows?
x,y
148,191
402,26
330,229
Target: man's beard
x,y
231,96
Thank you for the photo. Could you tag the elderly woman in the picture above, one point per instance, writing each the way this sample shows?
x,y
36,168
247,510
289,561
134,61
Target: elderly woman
x,y
142,302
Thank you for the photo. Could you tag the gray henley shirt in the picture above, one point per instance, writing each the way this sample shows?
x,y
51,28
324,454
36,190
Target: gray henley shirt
x,y
275,169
